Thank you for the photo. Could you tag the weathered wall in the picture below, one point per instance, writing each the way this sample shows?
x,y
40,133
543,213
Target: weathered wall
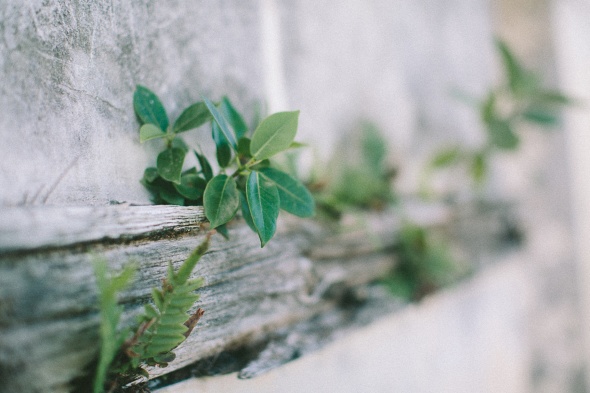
x,y
69,69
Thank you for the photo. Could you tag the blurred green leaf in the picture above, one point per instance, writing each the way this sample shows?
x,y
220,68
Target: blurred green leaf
x,y
501,135
446,157
374,147
169,164
234,118
479,168
274,134
148,108
263,201
221,200
540,116
294,197
192,117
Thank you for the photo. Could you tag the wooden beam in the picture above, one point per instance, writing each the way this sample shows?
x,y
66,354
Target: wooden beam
x,y
311,277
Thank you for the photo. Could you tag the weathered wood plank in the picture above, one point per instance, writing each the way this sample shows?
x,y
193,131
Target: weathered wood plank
x,y
48,315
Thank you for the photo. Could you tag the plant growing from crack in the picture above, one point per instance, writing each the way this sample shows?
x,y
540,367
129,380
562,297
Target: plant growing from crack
x,y
246,178
161,328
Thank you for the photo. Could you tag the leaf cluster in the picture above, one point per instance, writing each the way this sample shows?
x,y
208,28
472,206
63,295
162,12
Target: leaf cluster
x,y
362,179
246,180
423,264
520,99
161,328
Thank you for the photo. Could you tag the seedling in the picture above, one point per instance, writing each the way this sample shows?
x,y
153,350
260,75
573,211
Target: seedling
x,y
246,180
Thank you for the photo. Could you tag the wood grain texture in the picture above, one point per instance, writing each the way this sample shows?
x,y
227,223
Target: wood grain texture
x,y
265,302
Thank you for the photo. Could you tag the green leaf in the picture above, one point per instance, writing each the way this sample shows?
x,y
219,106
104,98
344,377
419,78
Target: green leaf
x,y
148,108
263,200
550,97
192,117
189,264
374,147
170,163
205,166
514,71
150,174
274,134
171,196
244,147
479,168
234,118
222,123
149,131
501,135
294,197
446,157
488,108
246,212
223,149
540,116
222,230
191,186
221,200
180,144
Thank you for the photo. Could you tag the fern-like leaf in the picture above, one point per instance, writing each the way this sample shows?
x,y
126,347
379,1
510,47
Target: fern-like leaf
x,y
169,323
110,313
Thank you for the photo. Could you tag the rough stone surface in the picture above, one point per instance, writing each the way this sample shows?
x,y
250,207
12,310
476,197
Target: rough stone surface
x,y
69,69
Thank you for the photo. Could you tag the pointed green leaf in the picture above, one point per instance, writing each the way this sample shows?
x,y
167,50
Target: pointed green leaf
x,y
223,150
263,200
205,166
501,135
246,212
150,311
294,196
540,116
170,163
274,134
191,186
374,147
234,118
222,123
149,131
478,168
446,157
189,264
148,108
221,200
158,298
222,230
192,117
173,319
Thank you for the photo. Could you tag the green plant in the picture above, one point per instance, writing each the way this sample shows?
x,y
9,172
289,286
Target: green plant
x,y
161,328
246,178
362,180
505,108
423,265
